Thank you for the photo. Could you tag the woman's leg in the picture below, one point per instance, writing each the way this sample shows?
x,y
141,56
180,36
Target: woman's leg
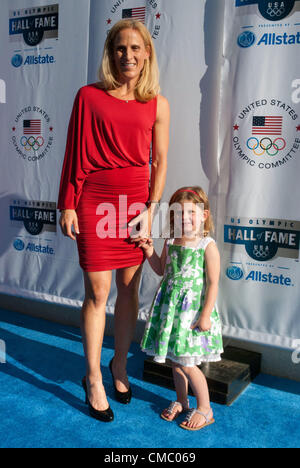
x,y
199,386
97,287
126,313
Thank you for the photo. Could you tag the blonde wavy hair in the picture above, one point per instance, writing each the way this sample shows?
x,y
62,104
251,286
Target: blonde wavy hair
x,y
147,86
196,195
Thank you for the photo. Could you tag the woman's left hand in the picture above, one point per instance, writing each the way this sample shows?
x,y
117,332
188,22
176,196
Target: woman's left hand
x,y
203,324
141,226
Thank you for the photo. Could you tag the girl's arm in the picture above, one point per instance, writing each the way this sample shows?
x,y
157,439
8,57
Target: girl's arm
x,y
212,262
157,263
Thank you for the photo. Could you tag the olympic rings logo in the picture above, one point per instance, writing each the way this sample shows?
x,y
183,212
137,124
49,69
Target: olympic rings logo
x,y
272,12
260,252
32,143
266,145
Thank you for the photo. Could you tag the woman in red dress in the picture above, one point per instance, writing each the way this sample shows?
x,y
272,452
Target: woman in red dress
x,y
113,125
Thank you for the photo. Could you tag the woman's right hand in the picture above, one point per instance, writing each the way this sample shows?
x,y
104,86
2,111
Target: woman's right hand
x,y
68,219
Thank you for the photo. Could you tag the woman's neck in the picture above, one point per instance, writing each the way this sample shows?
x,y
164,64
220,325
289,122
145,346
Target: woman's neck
x,y
125,91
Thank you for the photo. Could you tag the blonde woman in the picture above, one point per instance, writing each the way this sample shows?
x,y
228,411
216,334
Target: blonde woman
x,y
113,126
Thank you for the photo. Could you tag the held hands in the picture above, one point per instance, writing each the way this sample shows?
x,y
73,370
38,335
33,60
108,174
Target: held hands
x,y
141,226
203,324
147,246
68,219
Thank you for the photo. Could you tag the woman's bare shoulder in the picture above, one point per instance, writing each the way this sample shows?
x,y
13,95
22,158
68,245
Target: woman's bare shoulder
x,y
162,100
163,107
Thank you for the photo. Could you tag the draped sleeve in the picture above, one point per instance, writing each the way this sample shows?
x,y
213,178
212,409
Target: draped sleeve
x,y
76,165
104,133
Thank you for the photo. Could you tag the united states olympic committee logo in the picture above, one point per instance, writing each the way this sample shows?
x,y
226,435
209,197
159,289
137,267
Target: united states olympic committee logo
x,y
148,12
32,133
266,134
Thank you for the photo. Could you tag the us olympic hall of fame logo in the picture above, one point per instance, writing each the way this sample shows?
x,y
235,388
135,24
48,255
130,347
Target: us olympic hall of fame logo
x,y
272,10
33,24
266,134
264,239
32,133
146,11
35,216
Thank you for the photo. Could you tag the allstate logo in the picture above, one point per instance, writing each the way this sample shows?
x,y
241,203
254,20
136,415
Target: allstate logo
x,y
17,60
234,273
19,245
246,39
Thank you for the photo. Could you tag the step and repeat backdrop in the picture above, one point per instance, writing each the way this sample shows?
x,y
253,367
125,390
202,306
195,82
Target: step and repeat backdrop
x,y
259,141
231,72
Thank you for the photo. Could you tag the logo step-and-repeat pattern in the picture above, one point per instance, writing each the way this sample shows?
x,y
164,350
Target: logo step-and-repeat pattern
x,y
260,242
260,132
33,27
266,133
31,219
40,85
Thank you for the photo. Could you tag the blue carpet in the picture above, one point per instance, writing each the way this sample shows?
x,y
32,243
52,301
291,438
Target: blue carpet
x,y
41,400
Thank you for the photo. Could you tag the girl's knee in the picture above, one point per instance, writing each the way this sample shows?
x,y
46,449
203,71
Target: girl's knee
x,y
188,370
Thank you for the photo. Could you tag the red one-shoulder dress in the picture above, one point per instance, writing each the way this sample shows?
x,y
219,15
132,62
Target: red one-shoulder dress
x,y
105,175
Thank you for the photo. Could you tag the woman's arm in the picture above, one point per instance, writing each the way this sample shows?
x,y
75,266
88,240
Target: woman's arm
x,y
212,262
75,168
160,145
160,148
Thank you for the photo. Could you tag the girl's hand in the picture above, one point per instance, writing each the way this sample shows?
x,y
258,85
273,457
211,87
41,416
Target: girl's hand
x,y
68,219
203,324
147,246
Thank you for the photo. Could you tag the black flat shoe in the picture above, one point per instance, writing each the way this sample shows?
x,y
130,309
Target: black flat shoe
x,y
122,397
104,416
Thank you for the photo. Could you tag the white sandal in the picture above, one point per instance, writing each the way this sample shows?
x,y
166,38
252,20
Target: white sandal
x,y
171,408
191,414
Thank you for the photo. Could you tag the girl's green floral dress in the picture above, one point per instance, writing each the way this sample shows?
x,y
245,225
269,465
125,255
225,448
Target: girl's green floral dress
x,y
177,305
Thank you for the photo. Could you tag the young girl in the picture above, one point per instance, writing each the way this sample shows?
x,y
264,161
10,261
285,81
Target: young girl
x,y
184,325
